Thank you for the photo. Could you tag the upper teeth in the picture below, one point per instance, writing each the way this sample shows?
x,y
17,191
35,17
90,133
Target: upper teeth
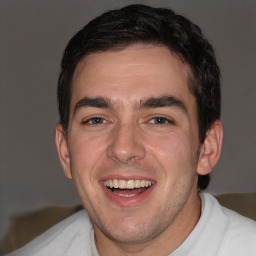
x,y
130,184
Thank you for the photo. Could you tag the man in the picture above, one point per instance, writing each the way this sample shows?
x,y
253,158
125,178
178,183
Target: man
x,y
139,133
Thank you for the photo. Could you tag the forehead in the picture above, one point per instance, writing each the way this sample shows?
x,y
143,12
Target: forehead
x,y
131,74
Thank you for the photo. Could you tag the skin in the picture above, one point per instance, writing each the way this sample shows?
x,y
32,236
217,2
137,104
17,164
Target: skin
x,y
128,140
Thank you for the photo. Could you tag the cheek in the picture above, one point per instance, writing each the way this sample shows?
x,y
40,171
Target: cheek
x,y
87,153
174,152
167,146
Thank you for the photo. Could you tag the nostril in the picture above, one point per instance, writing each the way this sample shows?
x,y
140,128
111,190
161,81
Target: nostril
x,y
125,143
126,154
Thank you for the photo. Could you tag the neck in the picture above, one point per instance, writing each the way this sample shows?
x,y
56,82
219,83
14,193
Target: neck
x,y
164,244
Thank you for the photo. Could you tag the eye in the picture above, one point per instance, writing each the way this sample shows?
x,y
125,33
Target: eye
x,y
160,120
95,121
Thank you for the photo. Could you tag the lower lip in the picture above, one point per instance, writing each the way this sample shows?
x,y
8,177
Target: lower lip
x,y
127,201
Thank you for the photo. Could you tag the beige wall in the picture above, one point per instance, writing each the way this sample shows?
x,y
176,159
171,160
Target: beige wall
x,y
32,37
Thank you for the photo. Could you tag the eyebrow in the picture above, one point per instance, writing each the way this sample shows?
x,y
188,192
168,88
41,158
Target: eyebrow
x,y
152,102
98,102
163,101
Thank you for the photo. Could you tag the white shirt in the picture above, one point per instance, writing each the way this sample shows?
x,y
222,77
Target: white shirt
x,y
219,232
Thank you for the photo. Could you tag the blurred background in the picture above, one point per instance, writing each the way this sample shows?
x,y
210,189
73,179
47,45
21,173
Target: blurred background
x,y
33,35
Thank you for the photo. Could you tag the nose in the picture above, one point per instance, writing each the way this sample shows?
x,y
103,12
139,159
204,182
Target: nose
x,y
126,144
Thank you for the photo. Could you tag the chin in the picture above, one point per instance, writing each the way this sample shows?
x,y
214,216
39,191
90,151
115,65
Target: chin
x,y
128,231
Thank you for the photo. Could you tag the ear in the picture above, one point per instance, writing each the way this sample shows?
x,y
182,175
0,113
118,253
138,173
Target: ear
x,y
62,147
211,149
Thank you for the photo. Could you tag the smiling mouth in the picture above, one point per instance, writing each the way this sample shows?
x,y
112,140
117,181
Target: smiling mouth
x,y
127,188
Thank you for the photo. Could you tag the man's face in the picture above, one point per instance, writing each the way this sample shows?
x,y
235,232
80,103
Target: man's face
x,y
133,144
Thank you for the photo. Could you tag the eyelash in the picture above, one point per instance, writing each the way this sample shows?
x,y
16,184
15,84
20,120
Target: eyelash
x,y
162,120
157,120
91,120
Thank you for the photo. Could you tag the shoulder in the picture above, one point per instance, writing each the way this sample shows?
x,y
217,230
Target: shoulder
x,y
234,220
69,237
239,234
